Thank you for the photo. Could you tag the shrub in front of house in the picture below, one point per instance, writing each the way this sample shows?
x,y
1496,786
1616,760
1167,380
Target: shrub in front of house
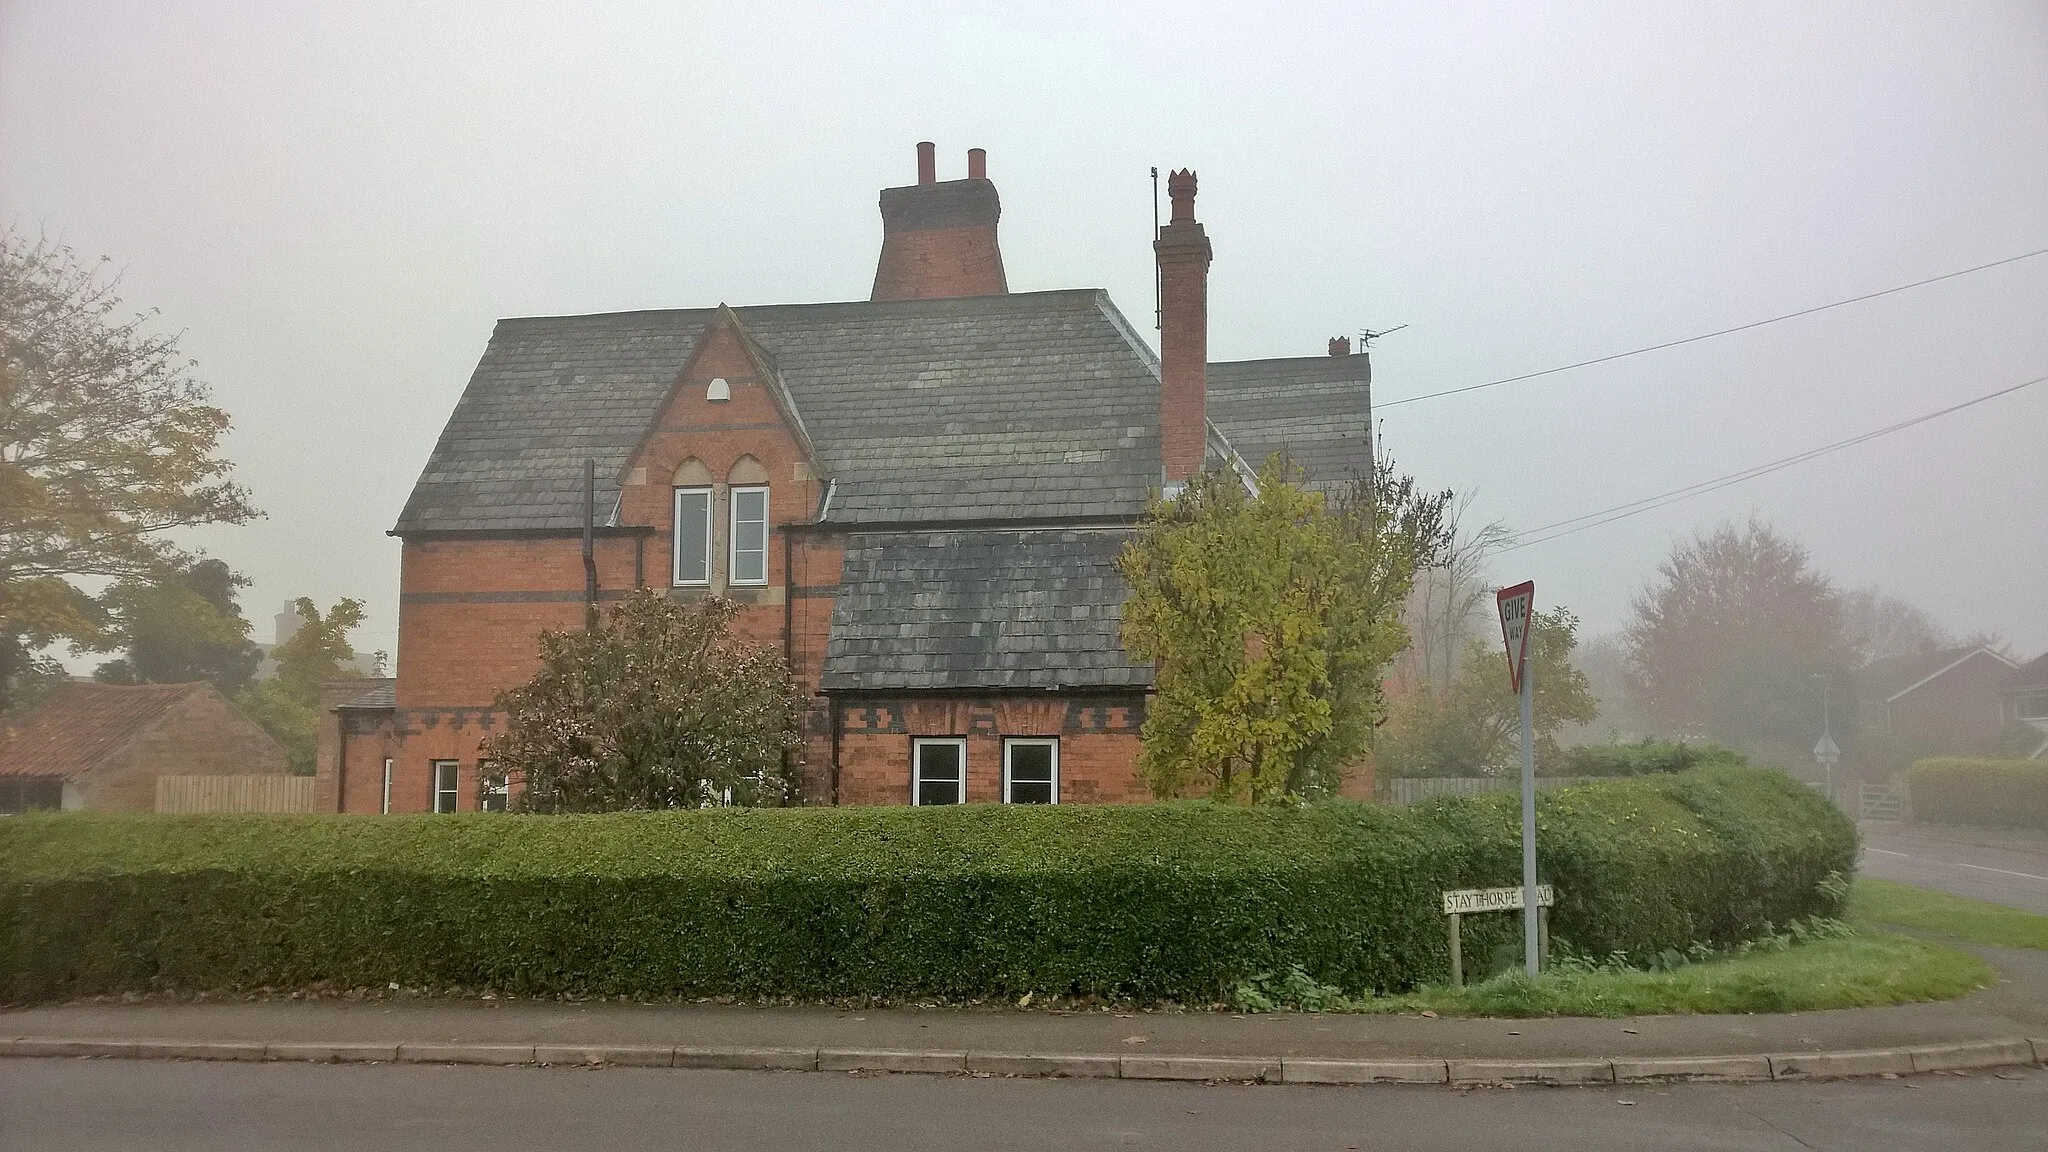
x,y
2009,793
1137,903
1638,759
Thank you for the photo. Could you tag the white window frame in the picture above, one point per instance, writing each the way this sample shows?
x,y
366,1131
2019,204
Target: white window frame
x,y
675,560
387,786
1051,742
454,789
732,540
917,747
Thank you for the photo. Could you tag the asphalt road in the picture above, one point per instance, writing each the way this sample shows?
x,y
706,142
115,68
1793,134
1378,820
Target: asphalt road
x,y
2014,871
59,1105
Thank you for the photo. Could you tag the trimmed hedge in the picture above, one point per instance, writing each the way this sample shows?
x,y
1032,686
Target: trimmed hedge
x,y
1139,902
2012,793
1639,759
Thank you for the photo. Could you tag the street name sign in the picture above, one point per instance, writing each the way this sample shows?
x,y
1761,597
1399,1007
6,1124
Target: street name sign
x,y
1465,901
1515,605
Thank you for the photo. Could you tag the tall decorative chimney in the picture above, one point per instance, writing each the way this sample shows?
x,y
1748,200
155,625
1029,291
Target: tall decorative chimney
x,y
1183,251
939,237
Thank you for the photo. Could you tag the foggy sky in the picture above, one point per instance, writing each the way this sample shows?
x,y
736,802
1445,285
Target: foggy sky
x,y
334,203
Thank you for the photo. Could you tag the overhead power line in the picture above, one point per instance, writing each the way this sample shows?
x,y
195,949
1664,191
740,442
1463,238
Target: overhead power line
x,y
1552,531
1712,335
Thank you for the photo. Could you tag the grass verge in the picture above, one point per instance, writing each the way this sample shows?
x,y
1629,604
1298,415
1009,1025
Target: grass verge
x,y
1886,902
1862,971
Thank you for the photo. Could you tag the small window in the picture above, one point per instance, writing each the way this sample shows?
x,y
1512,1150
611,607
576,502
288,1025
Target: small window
x,y
30,794
693,536
496,789
2031,705
750,536
939,772
444,785
1031,771
387,786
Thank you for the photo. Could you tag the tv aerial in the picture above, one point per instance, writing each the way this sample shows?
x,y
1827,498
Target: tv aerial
x,y
1366,335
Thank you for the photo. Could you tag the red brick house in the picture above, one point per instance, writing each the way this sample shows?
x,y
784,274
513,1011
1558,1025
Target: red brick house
x,y
103,746
1939,702
919,497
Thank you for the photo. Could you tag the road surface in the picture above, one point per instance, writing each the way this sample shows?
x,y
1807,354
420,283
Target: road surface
x,y
2014,871
61,1105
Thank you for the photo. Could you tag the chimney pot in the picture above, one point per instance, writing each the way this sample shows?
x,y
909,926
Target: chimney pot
x,y
1340,345
977,163
1180,188
927,162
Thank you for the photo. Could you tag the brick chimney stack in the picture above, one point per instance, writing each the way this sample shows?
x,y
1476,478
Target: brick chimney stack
x,y
939,237
1183,251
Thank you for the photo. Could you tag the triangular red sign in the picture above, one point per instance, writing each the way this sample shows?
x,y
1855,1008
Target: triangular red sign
x,y
1516,605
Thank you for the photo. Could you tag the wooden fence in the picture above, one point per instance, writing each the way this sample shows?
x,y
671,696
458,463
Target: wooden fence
x,y
1407,790
251,793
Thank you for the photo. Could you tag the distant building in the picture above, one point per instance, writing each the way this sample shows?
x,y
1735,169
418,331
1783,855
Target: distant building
x,y
2023,699
286,624
1939,702
919,498
103,746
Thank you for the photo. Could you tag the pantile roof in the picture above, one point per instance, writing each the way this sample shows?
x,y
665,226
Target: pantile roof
x,y
77,725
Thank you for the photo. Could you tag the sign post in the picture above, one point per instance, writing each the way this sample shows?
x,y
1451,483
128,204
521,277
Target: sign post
x,y
1517,605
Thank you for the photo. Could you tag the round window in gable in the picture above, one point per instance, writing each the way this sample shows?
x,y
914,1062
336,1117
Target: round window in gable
x,y
719,389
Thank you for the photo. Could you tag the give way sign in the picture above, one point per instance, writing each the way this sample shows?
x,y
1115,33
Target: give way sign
x,y
1515,605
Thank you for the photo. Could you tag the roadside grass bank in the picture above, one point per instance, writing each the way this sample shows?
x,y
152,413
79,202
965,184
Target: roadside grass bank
x,y
1925,910
1862,971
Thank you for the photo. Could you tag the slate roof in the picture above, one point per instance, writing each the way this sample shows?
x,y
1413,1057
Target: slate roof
x,y
984,609
1036,404
1040,404
1318,409
78,725
384,694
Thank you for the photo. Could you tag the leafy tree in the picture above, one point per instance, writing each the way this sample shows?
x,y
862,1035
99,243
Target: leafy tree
x,y
26,676
660,706
1473,726
288,704
1269,616
107,442
1726,642
187,627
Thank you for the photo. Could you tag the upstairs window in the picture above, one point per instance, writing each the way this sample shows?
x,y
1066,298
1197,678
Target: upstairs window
x,y
749,536
1031,771
938,772
693,536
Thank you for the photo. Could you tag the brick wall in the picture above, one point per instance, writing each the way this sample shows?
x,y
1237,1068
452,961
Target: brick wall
x,y
201,735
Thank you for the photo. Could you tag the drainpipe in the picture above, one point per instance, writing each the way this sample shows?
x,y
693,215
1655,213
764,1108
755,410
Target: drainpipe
x,y
589,545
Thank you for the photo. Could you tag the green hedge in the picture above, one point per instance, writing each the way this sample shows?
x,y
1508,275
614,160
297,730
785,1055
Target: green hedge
x,y
1642,758
1138,902
1998,792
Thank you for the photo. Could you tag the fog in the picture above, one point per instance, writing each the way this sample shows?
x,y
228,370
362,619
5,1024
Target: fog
x,y
335,202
